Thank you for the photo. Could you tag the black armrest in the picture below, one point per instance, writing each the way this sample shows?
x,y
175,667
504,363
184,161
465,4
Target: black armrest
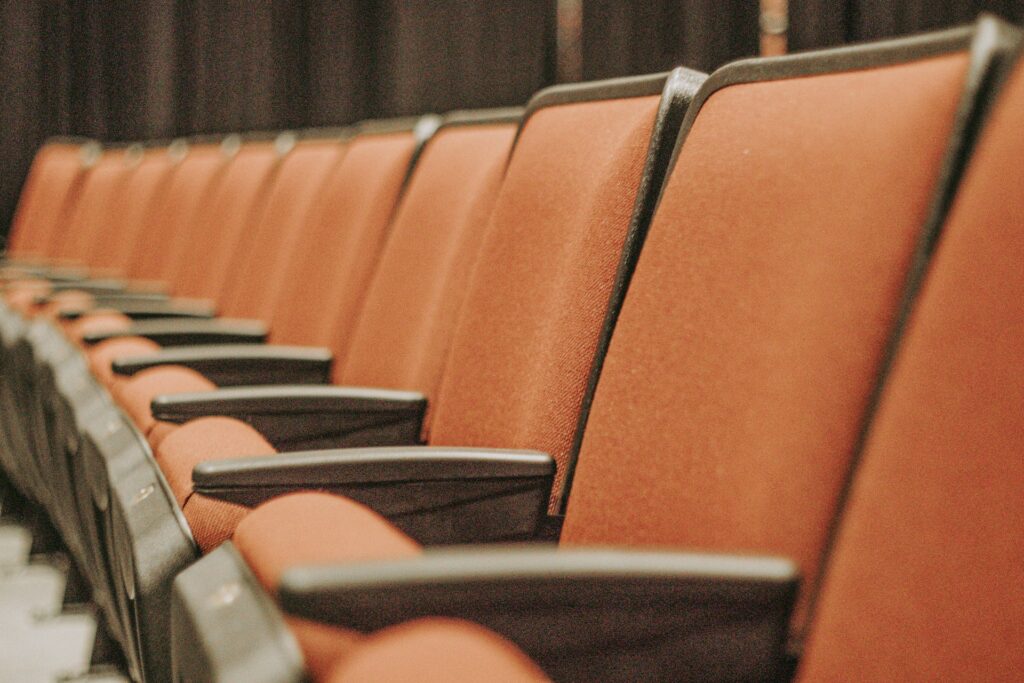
x,y
582,615
185,332
66,273
92,286
240,365
43,271
144,307
114,299
20,271
436,495
307,417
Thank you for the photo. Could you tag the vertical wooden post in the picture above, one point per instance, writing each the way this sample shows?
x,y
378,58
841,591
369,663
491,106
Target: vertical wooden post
x,y
569,38
774,26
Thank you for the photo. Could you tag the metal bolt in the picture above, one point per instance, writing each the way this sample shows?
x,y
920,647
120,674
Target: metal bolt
x,y
143,494
225,595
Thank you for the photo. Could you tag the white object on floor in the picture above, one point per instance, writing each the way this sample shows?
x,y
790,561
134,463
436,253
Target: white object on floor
x,y
15,544
47,649
29,592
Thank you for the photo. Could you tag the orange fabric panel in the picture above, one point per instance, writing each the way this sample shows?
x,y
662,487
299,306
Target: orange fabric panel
x,y
160,431
136,394
129,213
435,651
207,438
316,528
211,521
403,333
327,275
755,325
322,645
310,528
92,211
523,349
47,194
106,352
258,274
234,206
927,578
172,224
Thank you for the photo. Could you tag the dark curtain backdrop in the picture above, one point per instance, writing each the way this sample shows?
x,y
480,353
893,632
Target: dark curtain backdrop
x,y
131,69
820,23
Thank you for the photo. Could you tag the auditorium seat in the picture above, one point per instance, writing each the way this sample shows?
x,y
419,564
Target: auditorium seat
x,y
206,263
164,230
312,188
291,187
753,342
230,210
391,332
234,204
47,196
594,195
336,246
158,193
89,212
925,580
301,173
518,284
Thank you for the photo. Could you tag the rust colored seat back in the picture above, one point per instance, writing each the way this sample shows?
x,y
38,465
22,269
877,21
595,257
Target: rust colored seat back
x,y
757,327
573,202
926,581
234,205
411,305
172,225
49,192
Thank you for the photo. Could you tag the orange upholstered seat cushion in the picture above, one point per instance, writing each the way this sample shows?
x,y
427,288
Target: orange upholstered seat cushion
x,y
137,393
435,651
208,438
20,295
316,528
102,355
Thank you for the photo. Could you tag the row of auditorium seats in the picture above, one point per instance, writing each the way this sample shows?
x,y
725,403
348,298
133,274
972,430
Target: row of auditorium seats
x,y
706,377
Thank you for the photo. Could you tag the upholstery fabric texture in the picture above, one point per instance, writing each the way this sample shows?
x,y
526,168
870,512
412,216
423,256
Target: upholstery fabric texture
x,y
523,349
926,581
753,334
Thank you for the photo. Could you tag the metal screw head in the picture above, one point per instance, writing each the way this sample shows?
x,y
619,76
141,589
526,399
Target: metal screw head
x,y
143,494
225,594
